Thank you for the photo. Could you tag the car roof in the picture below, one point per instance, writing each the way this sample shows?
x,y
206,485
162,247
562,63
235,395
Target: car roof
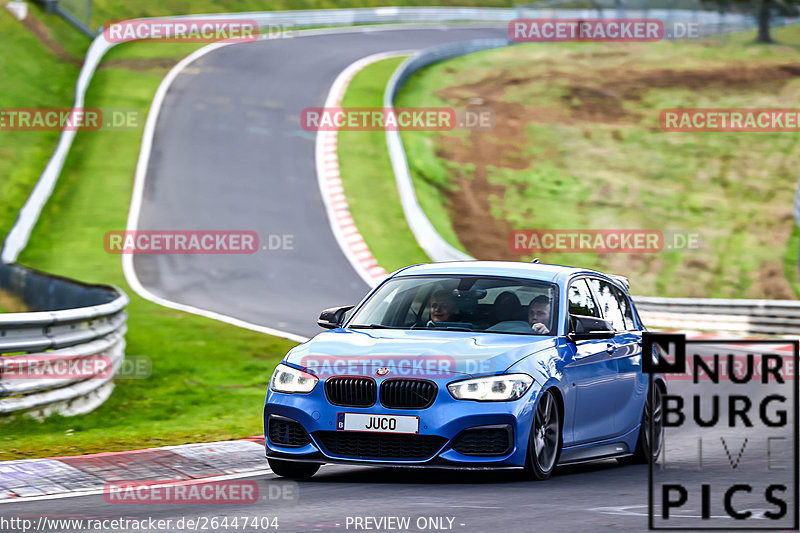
x,y
540,271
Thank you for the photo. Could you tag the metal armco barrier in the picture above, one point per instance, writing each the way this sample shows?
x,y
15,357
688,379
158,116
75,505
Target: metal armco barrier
x,y
736,317
70,321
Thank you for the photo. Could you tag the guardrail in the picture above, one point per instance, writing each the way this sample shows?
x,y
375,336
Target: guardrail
x,y
737,317
70,321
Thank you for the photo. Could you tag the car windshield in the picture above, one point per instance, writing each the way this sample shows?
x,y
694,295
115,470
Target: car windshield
x,y
462,303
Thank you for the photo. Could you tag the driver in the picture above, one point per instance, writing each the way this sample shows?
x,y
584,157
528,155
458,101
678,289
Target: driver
x,y
539,314
444,307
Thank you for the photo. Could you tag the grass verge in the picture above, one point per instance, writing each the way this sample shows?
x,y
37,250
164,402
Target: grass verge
x,y
208,379
33,77
368,178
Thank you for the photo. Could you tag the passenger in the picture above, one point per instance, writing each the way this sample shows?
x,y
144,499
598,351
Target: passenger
x,y
539,314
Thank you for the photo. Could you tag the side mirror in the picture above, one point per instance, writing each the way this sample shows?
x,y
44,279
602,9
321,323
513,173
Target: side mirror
x,y
333,317
589,328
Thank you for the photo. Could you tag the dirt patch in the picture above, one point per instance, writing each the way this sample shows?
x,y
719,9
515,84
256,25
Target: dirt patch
x,y
471,215
42,32
470,199
11,304
770,282
603,102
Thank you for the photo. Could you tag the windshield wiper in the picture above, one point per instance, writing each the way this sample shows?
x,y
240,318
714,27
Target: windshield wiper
x,y
374,326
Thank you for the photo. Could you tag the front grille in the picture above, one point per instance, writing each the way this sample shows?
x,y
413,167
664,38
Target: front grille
x,y
361,445
408,393
285,432
351,392
489,440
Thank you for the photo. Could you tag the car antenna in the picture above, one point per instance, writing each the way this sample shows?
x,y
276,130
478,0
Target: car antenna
x,y
535,260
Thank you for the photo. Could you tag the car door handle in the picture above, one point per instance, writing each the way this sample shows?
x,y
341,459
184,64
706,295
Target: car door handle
x,y
611,348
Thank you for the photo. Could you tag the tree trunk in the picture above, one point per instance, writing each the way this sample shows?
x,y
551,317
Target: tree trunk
x,y
763,22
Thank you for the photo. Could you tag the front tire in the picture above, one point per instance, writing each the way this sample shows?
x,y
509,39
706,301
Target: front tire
x,y
293,469
544,444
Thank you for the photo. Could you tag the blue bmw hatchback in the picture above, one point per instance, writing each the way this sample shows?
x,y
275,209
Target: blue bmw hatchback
x,y
469,365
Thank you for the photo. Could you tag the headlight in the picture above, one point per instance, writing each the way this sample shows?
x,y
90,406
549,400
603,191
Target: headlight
x,y
288,379
501,388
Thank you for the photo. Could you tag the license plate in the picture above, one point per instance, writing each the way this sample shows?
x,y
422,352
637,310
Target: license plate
x,y
377,423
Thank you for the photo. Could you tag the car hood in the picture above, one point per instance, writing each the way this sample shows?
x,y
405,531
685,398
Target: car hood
x,y
417,353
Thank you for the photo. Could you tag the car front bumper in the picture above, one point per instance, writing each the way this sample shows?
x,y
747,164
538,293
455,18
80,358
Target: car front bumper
x,y
443,423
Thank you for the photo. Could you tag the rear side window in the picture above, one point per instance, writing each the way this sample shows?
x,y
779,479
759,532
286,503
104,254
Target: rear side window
x,y
627,313
581,301
607,299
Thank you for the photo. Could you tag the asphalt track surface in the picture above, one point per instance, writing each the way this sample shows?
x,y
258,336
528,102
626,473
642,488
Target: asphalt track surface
x,y
229,153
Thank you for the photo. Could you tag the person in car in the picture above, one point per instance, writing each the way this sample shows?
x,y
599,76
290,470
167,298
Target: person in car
x,y
539,314
444,307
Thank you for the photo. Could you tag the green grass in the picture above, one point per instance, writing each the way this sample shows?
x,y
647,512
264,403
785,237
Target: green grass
x,y
208,379
65,34
617,169
368,178
33,77
106,10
